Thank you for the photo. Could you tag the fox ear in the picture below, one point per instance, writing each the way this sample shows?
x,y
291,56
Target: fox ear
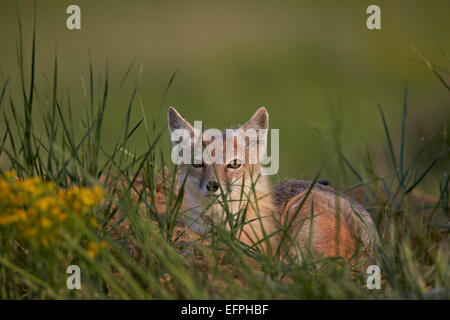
x,y
176,121
260,120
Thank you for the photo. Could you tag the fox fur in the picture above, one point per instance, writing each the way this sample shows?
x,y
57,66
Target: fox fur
x,y
319,218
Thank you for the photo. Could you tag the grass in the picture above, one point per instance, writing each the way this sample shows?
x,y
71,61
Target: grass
x,y
149,253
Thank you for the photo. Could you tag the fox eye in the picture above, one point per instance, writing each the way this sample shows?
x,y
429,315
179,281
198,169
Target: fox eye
x,y
198,165
234,164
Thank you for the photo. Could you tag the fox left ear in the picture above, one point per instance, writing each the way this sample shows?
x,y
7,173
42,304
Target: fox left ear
x,y
176,121
259,120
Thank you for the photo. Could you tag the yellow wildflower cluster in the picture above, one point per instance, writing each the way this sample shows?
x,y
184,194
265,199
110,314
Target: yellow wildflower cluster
x,y
37,208
94,247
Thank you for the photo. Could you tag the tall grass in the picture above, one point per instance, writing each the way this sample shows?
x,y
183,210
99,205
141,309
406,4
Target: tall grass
x,y
150,255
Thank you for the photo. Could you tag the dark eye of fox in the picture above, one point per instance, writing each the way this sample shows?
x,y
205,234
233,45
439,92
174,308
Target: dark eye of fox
x,y
234,164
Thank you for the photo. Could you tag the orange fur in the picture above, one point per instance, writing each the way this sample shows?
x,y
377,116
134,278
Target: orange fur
x,y
331,236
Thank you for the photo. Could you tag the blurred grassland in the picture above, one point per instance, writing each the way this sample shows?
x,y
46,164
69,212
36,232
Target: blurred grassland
x,y
313,64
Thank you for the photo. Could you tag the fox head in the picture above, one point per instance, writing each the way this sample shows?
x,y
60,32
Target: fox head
x,y
233,176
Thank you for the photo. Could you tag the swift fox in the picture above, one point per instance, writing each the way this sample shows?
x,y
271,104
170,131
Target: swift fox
x,y
315,217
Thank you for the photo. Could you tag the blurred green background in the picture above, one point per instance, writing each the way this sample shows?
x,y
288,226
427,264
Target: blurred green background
x,y
313,64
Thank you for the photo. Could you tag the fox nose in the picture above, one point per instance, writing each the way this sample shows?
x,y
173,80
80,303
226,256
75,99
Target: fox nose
x,y
212,186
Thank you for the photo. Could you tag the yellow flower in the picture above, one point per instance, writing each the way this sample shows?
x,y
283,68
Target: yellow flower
x,y
21,213
44,203
30,204
45,223
93,222
29,185
15,199
4,220
89,197
93,249
104,244
56,213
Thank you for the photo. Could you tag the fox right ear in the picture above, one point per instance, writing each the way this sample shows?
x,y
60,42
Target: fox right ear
x,y
176,121
259,120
